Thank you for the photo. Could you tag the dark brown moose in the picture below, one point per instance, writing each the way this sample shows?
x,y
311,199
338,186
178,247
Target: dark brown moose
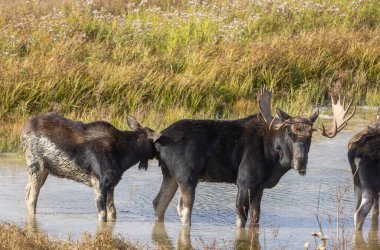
x,y
96,154
364,157
253,152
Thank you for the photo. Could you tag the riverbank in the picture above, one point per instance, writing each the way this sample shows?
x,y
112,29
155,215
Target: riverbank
x,y
162,61
14,237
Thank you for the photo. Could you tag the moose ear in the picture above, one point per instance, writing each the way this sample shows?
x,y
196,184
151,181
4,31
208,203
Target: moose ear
x,y
314,115
132,123
282,114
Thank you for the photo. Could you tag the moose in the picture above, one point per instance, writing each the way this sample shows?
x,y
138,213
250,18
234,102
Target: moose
x,y
364,158
253,153
95,154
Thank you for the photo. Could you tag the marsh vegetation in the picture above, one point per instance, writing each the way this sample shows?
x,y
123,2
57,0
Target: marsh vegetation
x,y
14,237
163,60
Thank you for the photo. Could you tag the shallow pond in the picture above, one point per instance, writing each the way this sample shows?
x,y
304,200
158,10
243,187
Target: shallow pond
x,y
66,208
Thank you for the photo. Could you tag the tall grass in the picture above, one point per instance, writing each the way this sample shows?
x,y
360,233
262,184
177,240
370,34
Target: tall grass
x,y
163,60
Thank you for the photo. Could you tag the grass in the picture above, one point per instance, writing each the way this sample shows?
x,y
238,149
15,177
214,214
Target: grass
x,y
14,237
162,60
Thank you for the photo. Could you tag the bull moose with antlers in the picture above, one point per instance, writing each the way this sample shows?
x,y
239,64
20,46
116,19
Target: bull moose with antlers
x,y
253,152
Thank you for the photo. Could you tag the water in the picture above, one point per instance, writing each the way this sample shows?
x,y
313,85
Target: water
x,y
66,208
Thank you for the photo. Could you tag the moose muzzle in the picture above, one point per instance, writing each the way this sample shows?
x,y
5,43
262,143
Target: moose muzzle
x,y
300,157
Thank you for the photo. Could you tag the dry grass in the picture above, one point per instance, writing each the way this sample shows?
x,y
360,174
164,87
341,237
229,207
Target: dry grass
x,y
14,237
164,60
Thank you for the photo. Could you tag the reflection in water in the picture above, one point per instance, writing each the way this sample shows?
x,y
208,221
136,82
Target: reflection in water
x,y
32,224
105,227
245,239
372,242
161,238
183,238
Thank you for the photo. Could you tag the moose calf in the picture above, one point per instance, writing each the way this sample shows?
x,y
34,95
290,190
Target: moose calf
x,y
96,154
364,158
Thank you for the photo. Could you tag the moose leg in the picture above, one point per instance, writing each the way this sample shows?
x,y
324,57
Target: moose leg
x,y
168,188
187,193
255,201
160,236
358,194
100,199
37,179
375,213
242,207
365,207
180,204
111,211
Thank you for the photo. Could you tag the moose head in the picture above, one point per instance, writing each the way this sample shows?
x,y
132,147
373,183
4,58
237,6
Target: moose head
x,y
292,135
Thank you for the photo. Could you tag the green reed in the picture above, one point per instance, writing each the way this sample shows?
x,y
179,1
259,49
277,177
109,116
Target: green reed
x,y
162,61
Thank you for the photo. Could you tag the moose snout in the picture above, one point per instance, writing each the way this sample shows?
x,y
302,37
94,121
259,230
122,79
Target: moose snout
x,y
300,157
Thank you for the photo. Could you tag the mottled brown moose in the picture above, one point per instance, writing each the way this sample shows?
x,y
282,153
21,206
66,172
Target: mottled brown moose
x,y
95,154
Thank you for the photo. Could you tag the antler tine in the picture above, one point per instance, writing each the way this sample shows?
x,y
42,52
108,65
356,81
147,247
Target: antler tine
x,y
339,120
264,104
344,101
332,133
345,121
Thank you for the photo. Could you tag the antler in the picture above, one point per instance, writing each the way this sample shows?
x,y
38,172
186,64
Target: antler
x,y
339,121
264,97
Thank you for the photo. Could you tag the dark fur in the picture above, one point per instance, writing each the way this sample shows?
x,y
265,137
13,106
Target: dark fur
x,y
98,149
242,151
365,146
